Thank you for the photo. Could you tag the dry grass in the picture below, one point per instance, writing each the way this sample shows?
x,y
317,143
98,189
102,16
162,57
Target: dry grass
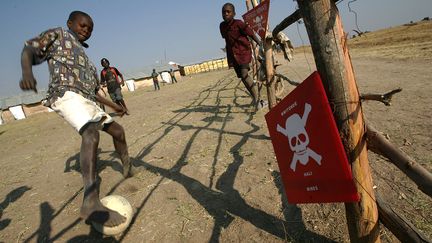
x,y
409,41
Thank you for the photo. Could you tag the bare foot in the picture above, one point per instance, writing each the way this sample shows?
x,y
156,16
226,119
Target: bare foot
x,y
134,171
127,168
97,213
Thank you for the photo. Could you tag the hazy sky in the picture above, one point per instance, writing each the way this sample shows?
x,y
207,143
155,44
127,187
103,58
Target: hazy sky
x,y
137,33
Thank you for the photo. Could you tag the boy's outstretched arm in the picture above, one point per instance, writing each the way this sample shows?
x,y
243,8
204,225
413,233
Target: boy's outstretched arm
x,y
255,38
123,83
117,108
121,76
27,82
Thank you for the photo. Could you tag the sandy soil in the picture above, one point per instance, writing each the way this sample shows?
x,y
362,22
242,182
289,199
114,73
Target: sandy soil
x,y
209,171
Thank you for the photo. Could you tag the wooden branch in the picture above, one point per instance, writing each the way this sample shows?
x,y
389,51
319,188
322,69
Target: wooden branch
x,y
248,5
377,143
332,59
271,92
287,79
397,224
294,17
286,22
384,98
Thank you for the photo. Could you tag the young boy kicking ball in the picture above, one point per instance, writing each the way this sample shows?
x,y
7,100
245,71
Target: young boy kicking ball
x,y
72,93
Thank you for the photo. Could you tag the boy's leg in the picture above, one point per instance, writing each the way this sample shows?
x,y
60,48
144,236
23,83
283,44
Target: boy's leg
x,y
249,84
122,103
86,116
92,209
117,98
119,139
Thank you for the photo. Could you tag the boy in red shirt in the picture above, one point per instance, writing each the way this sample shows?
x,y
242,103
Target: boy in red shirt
x,y
238,47
109,77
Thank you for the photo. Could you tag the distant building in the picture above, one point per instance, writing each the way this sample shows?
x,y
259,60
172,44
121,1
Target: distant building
x,y
29,103
22,106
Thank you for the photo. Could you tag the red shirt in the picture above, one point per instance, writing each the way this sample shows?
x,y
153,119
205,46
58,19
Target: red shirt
x,y
238,47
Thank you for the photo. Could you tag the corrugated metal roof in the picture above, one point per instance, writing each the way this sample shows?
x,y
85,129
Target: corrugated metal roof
x,y
11,101
32,98
24,98
144,72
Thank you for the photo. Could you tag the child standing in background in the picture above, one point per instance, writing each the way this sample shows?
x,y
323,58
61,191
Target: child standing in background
x,y
110,78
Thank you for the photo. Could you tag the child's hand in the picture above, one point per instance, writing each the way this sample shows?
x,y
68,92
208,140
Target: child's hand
x,y
120,110
28,82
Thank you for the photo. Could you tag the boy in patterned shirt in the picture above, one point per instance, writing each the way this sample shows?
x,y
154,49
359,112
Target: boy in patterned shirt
x,y
72,93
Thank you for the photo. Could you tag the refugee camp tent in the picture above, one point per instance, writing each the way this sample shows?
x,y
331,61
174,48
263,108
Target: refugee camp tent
x,y
166,77
21,106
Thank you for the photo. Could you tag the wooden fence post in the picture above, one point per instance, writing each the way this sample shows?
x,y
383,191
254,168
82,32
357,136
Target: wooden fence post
x,y
333,62
255,63
271,90
269,65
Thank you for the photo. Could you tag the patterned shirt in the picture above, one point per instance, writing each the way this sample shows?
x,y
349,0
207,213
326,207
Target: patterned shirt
x,y
69,67
238,47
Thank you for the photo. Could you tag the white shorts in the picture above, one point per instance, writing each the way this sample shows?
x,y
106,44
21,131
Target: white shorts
x,y
78,111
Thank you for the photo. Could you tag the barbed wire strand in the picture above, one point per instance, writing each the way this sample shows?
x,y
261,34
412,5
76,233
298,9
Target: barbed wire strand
x,y
303,44
355,15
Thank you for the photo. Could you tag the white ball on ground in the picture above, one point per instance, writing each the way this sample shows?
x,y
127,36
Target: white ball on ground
x,y
123,207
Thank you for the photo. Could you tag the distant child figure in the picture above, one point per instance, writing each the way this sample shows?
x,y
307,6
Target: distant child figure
x,y
110,79
73,90
173,78
155,75
238,48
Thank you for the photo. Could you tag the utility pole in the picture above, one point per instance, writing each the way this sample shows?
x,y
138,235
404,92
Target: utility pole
x,y
329,46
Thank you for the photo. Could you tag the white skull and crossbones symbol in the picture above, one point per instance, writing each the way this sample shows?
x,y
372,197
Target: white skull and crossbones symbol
x,y
298,138
259,22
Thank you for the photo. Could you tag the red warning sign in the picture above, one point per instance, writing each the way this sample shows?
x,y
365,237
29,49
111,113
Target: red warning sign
x,y
257,18
309,151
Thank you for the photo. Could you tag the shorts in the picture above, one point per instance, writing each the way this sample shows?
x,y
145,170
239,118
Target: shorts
x,y
116,95
79,111
239,67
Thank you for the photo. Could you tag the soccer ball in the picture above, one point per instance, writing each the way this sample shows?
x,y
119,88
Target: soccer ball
x,y
123,207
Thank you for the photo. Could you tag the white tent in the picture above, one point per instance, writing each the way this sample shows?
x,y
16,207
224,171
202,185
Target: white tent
x,y
17,112
166,77
130,83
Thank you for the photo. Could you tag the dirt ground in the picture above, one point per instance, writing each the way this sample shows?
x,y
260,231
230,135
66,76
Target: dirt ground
x,y
209,173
